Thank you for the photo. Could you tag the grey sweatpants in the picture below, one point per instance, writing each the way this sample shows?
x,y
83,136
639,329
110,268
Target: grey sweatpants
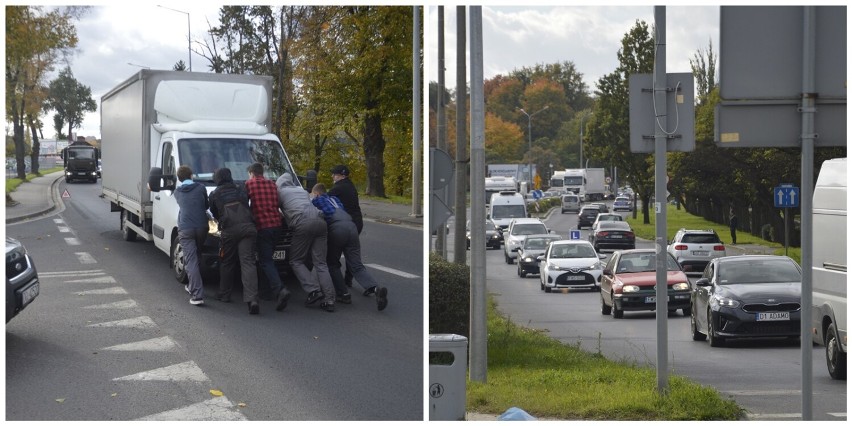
x,y
310,236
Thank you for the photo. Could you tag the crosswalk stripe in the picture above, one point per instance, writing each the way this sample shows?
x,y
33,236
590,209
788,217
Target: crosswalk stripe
x,y
159,344
64,229
60,274
391,270
99,280
138,322
213,409
85,258
124,304
185,371
111,290
72,241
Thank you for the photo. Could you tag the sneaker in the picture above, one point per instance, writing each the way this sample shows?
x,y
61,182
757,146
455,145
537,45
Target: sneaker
x,y
283,297
345,298
370,291
327,306
381,298
253,308
313,297
196,301
186,287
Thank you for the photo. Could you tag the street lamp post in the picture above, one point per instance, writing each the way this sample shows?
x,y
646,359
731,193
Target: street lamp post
x,y
188,33
582,117
529,134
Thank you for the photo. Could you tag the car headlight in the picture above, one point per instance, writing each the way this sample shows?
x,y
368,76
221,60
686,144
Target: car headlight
x,y
528,259
680,286
595,266
630,289
554,267
726,302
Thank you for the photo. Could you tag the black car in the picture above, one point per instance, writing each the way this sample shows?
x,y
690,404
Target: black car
x,y
529,251
747,296
611,234
493,235
587,216
22,284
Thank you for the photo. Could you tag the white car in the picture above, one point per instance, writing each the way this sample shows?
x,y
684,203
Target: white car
x,y
570,264
518,230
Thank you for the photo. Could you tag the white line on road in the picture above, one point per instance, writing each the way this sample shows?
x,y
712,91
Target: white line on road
x,y
71,273
185,371
124,304
763,392
138,322
85,258
111,290
159,344
58,221
98,280
392,271
72,241
64,229
837,414
774,416
212,409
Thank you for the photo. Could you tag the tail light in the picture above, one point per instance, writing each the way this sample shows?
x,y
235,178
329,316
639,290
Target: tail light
x,y
629,234
680,247
603,233
719,248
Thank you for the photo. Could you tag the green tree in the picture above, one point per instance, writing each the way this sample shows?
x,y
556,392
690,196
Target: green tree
x,y
70,99
180,66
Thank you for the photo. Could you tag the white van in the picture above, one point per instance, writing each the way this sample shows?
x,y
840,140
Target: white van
x,y
505,206
570,203
829,265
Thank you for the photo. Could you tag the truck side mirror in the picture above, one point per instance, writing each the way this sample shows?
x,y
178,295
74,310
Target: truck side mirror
x,y
310,179
157,181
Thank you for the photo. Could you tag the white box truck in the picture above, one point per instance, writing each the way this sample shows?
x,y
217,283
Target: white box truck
x,y
829,265
574,180
595,184
156,121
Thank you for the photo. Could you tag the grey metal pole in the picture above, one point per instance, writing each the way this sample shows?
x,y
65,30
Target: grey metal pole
x,y
478,314
460,252
441,239
416,118
808,111
582,117
659,87
189,41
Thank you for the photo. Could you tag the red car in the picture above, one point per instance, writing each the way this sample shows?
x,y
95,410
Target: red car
x,y
629,283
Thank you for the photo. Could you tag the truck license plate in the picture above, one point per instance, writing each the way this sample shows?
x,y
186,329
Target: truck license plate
x,y
29,294
773,316
279,255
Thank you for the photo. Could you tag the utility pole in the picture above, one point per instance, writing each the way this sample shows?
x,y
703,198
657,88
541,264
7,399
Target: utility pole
x,y
478,366
416,120
459,250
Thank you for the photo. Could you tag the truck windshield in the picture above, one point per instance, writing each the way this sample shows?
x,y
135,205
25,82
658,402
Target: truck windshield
x,y
575,180
81,153
556,183
205,155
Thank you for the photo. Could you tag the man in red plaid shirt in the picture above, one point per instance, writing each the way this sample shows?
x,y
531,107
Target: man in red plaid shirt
x,y
263,197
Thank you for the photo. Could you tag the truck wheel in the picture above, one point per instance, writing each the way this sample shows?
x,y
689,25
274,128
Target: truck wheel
x,y
177,262
834,356
126,233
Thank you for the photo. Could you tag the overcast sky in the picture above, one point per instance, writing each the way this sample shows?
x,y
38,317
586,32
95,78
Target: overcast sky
x,y
590,37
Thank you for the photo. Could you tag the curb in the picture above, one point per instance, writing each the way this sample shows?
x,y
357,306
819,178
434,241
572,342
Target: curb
x,y
57,201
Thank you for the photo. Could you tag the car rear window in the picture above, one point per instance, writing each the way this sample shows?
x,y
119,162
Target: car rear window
x,y
529,229
701,239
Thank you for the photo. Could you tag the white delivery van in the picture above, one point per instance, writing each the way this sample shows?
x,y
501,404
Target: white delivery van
x,y
505,206
829,265
570,203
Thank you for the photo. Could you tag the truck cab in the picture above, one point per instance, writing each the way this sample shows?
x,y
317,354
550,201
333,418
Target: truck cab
x,y
81,162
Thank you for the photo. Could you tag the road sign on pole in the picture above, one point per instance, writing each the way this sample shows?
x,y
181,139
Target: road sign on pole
x,y
786,196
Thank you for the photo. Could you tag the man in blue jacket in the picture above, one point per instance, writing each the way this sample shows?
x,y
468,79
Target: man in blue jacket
x,y
192,229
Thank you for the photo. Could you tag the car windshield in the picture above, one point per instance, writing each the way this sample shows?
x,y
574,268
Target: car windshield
x,y
701,239
508,211
529,229
537,243
643,262
572,251
758,271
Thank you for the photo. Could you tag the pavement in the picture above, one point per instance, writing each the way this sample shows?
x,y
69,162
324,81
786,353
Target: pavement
x,y
40,197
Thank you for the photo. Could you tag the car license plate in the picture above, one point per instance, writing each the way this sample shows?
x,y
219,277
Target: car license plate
x,y
616,236
651,299
279,255
773,316
701,253
575,278
30,294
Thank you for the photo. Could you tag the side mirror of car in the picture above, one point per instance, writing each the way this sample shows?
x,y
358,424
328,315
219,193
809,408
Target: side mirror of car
x,y
601,256
703,282
539,258
607,272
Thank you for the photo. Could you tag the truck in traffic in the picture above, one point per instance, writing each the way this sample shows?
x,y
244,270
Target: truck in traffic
x,y
80,160
575,181
494,185
829,279
557,182
156,121
595,188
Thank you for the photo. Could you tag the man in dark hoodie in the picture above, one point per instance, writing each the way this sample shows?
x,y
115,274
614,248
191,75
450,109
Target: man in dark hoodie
x,y
192,229
346,192
230,207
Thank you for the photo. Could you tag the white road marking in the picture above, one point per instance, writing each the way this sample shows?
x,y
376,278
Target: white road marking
x,y
111,290
98,280
64,229
85,258
213,409
72,241
185,371
159,344
763,392
124,304
138,322
391,270
837,414
71,273
58,221
774,416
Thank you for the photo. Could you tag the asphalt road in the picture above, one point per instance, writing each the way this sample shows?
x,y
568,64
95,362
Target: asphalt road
x,y
762,375
113,337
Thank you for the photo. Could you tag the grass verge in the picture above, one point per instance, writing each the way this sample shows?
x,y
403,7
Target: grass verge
x,y
13,183
548,379
676,219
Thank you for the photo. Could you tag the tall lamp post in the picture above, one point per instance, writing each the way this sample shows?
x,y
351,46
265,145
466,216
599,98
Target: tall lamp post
x,y
529,133
582,117
188,33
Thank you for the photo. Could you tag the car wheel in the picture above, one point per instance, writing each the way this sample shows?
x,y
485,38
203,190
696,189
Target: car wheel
x,y
696,335
715,341
177,261
616,313
605,309
126,233
541,284
548,289
834,356
521,271
468,244
509,260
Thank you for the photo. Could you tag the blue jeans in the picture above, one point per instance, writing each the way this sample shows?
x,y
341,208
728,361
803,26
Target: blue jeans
x,y
265,247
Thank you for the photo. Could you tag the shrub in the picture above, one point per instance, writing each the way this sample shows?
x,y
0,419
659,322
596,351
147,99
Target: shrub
x,y
449,297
